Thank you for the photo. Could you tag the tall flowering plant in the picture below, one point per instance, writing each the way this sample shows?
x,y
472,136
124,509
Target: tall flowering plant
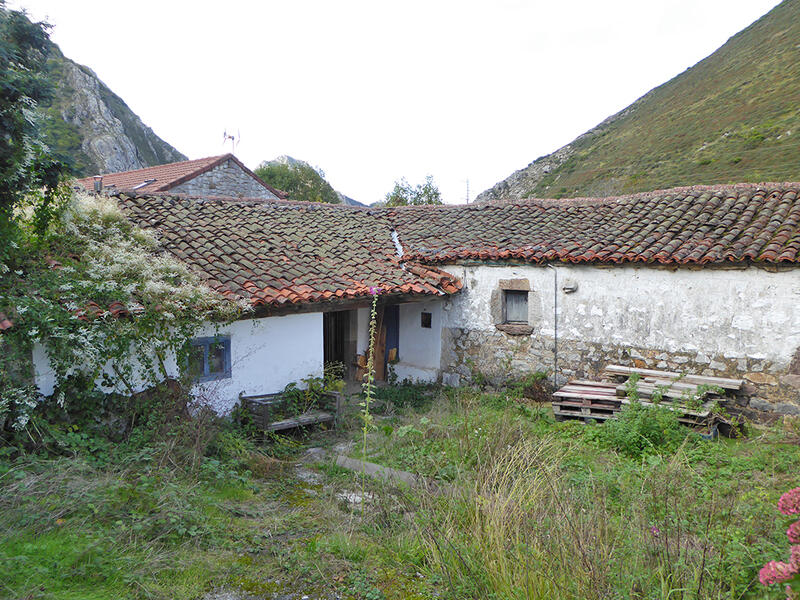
x,y
787,572
368,386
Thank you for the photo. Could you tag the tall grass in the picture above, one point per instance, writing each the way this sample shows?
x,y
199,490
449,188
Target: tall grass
x,y
522,527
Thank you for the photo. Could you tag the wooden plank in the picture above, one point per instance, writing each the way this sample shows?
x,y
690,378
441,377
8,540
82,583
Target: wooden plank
x,y
309,418
592,383
649,390
587,396
581,391
723,382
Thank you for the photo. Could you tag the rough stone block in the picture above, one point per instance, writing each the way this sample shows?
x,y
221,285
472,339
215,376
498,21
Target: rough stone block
x,y
761,404
761,378
791,380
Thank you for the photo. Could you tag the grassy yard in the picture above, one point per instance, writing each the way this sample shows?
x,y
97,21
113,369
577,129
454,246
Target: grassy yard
x,y
519,506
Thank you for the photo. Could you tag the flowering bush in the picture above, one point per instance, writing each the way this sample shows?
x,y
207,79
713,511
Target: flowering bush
x,y
787,572
58,287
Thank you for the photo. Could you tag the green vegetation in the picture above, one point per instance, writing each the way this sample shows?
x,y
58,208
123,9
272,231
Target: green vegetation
x,y
29,176
300,180
404,194
523,507
59,285
731,118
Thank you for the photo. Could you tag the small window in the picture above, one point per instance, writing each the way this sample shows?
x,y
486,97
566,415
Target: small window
x,y
426,320
210,358
516,306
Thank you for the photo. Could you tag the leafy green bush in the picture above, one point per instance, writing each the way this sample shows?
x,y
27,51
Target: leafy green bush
x,y
639,430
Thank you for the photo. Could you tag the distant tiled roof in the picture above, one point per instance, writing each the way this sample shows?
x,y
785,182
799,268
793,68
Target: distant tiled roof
x,y
699,225
163,178
283,253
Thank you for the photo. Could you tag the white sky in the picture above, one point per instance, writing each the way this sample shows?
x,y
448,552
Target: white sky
x,y
371,91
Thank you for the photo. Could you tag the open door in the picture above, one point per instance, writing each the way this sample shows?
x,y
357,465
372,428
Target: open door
x,y
387,332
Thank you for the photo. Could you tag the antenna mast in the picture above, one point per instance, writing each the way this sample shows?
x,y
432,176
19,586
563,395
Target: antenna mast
x,y
467,190
233,139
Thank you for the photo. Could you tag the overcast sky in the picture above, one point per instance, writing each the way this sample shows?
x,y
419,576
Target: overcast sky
x,y
373,91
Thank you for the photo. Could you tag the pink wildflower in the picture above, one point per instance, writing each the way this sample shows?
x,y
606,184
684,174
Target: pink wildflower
x,y
789,504
794,532
655,531
374,290
794,558
775,572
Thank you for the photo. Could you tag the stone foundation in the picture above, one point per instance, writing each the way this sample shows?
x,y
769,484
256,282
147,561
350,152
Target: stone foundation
x,y
498,357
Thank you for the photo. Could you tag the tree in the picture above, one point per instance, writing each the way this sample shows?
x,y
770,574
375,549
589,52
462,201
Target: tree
x,y
405,195
299,179
28,173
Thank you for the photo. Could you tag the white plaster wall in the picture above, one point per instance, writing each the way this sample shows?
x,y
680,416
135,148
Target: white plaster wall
x,y
735,313
266,355
420,348
362,338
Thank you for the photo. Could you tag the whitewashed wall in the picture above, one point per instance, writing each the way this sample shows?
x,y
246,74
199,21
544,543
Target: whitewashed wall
x,y
266,355
713,320
748,312
420,348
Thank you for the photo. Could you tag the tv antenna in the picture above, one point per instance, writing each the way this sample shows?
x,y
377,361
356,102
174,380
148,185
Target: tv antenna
x,y
467,190
233,139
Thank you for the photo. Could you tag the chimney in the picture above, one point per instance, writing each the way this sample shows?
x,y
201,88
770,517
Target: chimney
x,y
98,183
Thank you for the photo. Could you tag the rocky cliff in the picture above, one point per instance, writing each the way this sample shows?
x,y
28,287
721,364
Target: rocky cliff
x,y
92,129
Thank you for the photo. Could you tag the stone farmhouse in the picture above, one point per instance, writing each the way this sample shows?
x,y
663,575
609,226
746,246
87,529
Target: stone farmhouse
x,y
701,279
224,176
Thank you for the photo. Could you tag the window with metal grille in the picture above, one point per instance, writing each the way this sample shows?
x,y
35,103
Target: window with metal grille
x,y
515,306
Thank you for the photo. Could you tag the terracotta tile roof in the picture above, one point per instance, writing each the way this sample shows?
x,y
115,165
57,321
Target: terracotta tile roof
x,y
283,253
699,225
162,178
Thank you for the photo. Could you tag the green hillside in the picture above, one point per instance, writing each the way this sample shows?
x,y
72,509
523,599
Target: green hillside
x,y
733,117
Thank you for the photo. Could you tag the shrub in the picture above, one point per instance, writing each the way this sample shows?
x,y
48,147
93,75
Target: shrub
x,y
639,430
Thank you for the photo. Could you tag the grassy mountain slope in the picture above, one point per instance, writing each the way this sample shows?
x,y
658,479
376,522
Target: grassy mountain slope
x,y
733,117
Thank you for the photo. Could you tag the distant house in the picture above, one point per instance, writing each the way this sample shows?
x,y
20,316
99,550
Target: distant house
x,y
223,176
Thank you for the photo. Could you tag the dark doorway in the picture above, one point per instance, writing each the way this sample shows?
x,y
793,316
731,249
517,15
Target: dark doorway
x,y
391,320
335,327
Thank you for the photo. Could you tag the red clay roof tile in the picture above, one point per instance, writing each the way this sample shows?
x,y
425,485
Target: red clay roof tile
x,y
162,178
701,225
285,252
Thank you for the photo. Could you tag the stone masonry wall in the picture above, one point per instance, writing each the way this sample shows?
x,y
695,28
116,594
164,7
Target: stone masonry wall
x,y
736,323
227,179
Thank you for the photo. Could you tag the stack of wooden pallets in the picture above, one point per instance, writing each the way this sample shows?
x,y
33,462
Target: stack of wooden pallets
x,y
692,396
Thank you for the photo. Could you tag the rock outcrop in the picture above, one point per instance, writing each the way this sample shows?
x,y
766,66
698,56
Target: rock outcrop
x,y
93,129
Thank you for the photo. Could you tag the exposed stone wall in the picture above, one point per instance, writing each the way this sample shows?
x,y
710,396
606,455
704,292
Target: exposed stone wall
x,y
741,323
227,179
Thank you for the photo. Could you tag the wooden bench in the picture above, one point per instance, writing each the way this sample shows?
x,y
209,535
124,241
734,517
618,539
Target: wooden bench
x,y
264,408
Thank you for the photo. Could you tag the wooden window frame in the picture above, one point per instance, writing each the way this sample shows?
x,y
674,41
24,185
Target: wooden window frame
x,y
521,294
206,343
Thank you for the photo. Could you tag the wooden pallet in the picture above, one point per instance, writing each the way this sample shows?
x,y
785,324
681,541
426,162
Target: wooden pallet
x,y
601,400
653,375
